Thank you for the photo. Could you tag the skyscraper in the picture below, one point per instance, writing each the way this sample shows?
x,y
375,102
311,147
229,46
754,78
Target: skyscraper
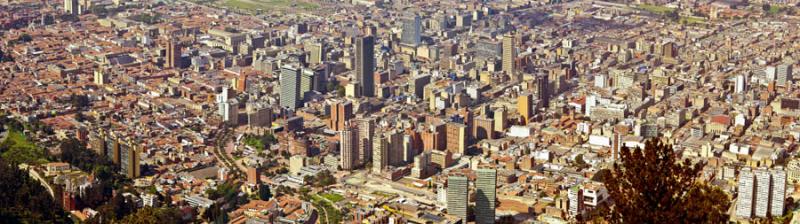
x,y
575,196
509,55
457,196
784,74
317,53
525,107
762,192
71,7
341,112
380,154
746,188
365,65
173,54
366,130
778,192
348,147
129,160
741,83
486,190
290,87
543,89
253,176
412,31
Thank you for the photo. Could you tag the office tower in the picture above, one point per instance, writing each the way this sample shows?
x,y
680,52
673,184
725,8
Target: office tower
x,y
412,31
543,89
457,196
500,121
258,115
230,111
253,174
173,54
762,192
366,130
483,128
778,192
395,148
784,74
591,102
306,82
420,168
314,78
348,138
71,7
317,53
380,153
129,160
365,65
525,107
741,83
509,55
418,85
456,138
669,50
341,112
486,190
100,77
290,87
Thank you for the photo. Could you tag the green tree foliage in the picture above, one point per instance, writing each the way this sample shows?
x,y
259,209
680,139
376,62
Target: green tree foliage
x,y
25,200
150,215
653,186
323,179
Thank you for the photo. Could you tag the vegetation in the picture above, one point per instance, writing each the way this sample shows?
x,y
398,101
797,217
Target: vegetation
x,y
326,210
226,190
5,57
259,142
322,179
25,200
270,4
656,9
17,148
332,197
150,215
264,192
653,186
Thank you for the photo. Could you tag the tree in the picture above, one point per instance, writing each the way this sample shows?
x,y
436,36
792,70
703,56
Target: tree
x,y
150,215
766,7
653,186
24,200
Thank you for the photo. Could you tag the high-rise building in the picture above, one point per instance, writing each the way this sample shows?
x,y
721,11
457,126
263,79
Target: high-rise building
x,y
486,190
412,31
173,54
258,115
348,149
365,65
762,192
746,188
783,74
500,121
366,131
230,111
525,107
778,192
253,176
341,112
317,53
543,89
576,204
741,83
509,55
100,77
129,159
420,168
71,7
380,153
457,196
290,87
395,151
456,138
